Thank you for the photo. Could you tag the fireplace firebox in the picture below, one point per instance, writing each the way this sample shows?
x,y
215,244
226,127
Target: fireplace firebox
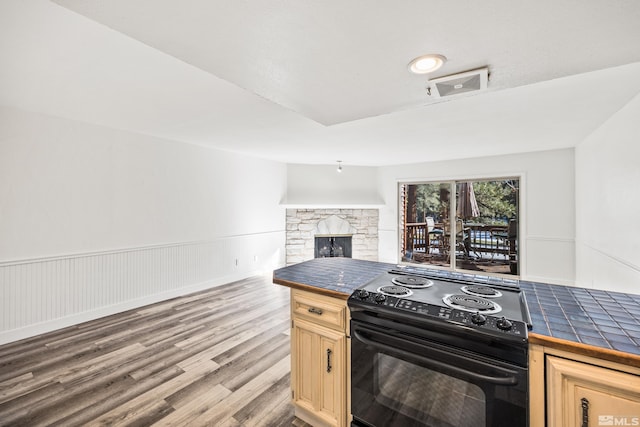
x,y
332,246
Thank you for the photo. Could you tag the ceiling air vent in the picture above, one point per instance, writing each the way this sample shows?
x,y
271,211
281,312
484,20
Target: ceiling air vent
x,y
457,84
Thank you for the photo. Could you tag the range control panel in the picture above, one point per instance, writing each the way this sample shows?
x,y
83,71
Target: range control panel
x,y
475,320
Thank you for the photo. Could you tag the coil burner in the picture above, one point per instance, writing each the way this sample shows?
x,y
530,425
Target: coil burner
x,y
471,303
395,291
413,282
481,291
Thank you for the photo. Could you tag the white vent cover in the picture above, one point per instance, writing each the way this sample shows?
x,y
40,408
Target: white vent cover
x,y
457,84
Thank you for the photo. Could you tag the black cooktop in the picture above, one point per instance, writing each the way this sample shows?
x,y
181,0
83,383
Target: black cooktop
x,y
488,308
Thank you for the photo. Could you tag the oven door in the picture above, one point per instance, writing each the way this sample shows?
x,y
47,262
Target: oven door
x,y
402,380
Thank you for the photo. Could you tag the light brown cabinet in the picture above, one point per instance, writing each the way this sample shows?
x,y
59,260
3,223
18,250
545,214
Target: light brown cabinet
x,y
569,389
579,393
319,358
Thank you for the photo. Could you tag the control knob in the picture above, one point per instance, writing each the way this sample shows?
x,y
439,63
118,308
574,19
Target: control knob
x,y
363,294
504,324
478,318
380,298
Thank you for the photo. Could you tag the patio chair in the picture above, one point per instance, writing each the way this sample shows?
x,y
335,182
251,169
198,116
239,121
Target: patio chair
x,y
463,239
435,235
513,246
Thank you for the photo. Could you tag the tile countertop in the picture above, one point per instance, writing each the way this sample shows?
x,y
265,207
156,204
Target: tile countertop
x,y
337,277
599,323
607,320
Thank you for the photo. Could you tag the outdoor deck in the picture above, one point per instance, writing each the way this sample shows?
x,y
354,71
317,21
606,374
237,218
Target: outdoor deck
x,y
479,246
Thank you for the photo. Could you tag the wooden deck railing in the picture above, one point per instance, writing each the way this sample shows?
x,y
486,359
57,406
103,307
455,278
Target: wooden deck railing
x,y
416,237
481,238
493,239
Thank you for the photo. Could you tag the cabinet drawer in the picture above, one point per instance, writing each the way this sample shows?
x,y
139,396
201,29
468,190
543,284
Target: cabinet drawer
x,y
320,309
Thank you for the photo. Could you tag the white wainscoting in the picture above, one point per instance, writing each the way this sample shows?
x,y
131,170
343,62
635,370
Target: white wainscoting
x,y
41,295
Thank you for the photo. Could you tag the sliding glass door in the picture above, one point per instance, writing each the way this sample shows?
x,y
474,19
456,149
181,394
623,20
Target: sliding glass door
x,y
463,224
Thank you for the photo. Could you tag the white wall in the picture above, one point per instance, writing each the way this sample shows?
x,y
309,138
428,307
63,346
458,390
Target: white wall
x,y
547,206
608,204
322,186
87,214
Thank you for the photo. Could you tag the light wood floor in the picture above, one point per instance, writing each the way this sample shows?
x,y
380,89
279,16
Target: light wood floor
x,y
215,358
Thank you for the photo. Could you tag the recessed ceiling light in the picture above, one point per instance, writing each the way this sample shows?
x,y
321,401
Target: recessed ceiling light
x,y
426,63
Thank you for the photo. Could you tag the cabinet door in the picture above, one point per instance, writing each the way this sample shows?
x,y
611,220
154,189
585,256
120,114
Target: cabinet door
x,y
318,371
303,365
332,383
580,394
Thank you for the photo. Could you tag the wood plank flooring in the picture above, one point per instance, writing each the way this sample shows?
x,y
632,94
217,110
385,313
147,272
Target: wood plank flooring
x,y
215,358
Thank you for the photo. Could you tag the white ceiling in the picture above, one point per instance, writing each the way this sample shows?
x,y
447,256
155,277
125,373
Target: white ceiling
x,y
316,82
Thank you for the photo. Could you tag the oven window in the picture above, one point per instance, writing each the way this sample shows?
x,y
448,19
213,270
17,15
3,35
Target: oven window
x,y
402,387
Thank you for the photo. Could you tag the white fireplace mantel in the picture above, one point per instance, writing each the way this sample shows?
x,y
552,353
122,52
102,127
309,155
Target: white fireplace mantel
x,y
334,226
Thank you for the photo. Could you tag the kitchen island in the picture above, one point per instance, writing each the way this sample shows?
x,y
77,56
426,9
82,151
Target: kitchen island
x,y
590,327
319,329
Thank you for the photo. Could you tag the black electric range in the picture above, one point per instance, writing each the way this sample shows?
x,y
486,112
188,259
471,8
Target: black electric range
x,y
431,350
466,306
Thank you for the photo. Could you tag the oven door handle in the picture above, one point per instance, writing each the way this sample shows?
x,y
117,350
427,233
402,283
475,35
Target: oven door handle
x,y
511,379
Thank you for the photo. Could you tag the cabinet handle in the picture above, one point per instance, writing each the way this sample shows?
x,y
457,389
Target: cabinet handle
x,y
328,360
585,412
315,311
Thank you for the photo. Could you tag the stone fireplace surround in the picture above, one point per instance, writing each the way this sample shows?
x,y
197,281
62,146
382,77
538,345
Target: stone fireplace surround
x,y
302,226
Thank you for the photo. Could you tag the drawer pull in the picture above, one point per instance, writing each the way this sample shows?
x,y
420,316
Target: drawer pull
x,y
585,412
315,311
328,360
